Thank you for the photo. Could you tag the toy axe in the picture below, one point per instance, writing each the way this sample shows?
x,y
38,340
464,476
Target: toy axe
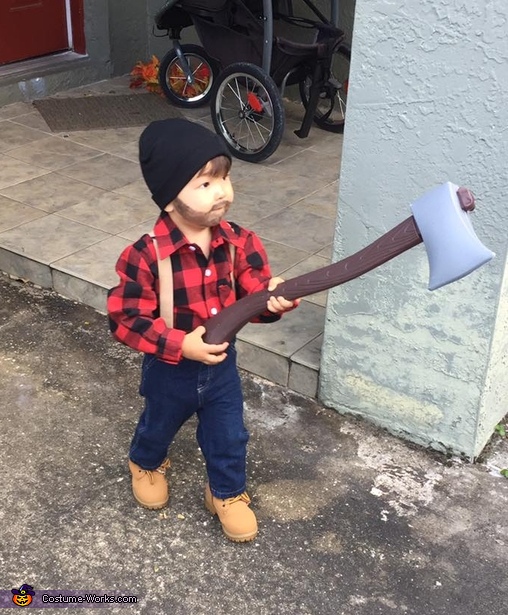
x,y
440,219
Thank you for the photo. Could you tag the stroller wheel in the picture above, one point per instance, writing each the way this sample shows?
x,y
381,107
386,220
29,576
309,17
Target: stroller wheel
x,y
177,88
330,114
247,111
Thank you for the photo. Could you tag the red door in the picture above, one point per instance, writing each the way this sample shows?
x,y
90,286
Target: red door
x,y
31,28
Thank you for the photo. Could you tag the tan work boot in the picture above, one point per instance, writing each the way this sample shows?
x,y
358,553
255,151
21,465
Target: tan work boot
x,y
237,519
150,487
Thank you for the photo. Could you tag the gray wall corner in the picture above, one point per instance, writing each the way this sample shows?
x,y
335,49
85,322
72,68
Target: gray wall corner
x,y
430,366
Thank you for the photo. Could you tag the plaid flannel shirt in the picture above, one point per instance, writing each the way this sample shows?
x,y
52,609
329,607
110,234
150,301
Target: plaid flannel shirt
x,y
202,286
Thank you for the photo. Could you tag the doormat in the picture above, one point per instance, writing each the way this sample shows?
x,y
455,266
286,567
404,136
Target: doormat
x,y
113,111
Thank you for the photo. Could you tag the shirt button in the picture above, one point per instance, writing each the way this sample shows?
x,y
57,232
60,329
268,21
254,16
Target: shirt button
x,y
193,248
214,311
208,273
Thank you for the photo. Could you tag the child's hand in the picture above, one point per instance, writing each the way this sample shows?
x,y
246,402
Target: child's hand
x,y
195,348
277,305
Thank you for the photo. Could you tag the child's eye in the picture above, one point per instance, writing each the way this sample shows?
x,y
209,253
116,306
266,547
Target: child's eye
x,y
205,184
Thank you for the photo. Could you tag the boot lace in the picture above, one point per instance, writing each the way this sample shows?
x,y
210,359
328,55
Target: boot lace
x,y
160,470
243,497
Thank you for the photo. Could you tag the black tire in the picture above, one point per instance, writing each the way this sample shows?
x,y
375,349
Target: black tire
x,y
173,81
247,111
330,114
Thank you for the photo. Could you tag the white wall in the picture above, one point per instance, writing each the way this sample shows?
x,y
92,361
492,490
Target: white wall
x,y
427,103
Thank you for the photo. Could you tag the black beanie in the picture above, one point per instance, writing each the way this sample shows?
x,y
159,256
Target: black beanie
x,y
171,152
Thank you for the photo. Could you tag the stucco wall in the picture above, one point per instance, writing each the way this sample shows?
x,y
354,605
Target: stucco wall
x,y
134,36
128,34
427,103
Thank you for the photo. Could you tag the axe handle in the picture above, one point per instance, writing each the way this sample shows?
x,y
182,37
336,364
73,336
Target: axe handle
x,y
224,326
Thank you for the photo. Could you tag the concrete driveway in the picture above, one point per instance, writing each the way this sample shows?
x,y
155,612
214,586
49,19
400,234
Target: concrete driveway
x,y
352,520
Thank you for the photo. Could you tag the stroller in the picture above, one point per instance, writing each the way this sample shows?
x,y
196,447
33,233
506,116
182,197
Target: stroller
x,y
248,57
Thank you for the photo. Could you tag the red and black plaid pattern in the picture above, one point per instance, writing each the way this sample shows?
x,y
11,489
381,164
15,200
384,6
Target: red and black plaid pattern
x,y
202,286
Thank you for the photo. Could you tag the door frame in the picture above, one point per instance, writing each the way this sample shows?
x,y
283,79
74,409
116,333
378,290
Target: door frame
x,y
76,26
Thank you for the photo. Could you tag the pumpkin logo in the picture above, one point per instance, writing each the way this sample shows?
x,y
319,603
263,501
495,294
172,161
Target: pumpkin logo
x,y
23,595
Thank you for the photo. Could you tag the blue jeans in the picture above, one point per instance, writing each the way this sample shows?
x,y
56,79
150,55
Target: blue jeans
x,y
173,393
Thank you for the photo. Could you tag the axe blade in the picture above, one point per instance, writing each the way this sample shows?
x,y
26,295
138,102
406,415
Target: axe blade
x,y
453,249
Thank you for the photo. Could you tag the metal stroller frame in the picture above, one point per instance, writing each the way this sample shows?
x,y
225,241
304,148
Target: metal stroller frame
x,y
244,67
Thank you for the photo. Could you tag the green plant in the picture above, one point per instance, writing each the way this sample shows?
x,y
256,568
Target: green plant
x,y
501,430
504,472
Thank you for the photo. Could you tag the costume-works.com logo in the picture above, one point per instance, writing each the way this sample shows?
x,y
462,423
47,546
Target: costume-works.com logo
x,y
23,596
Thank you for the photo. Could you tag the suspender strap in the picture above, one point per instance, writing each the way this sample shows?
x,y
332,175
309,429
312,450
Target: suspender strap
x,y
166,299
232,254
165,286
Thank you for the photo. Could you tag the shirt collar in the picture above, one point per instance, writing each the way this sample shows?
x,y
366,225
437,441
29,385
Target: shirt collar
x,y
224,232
170,238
